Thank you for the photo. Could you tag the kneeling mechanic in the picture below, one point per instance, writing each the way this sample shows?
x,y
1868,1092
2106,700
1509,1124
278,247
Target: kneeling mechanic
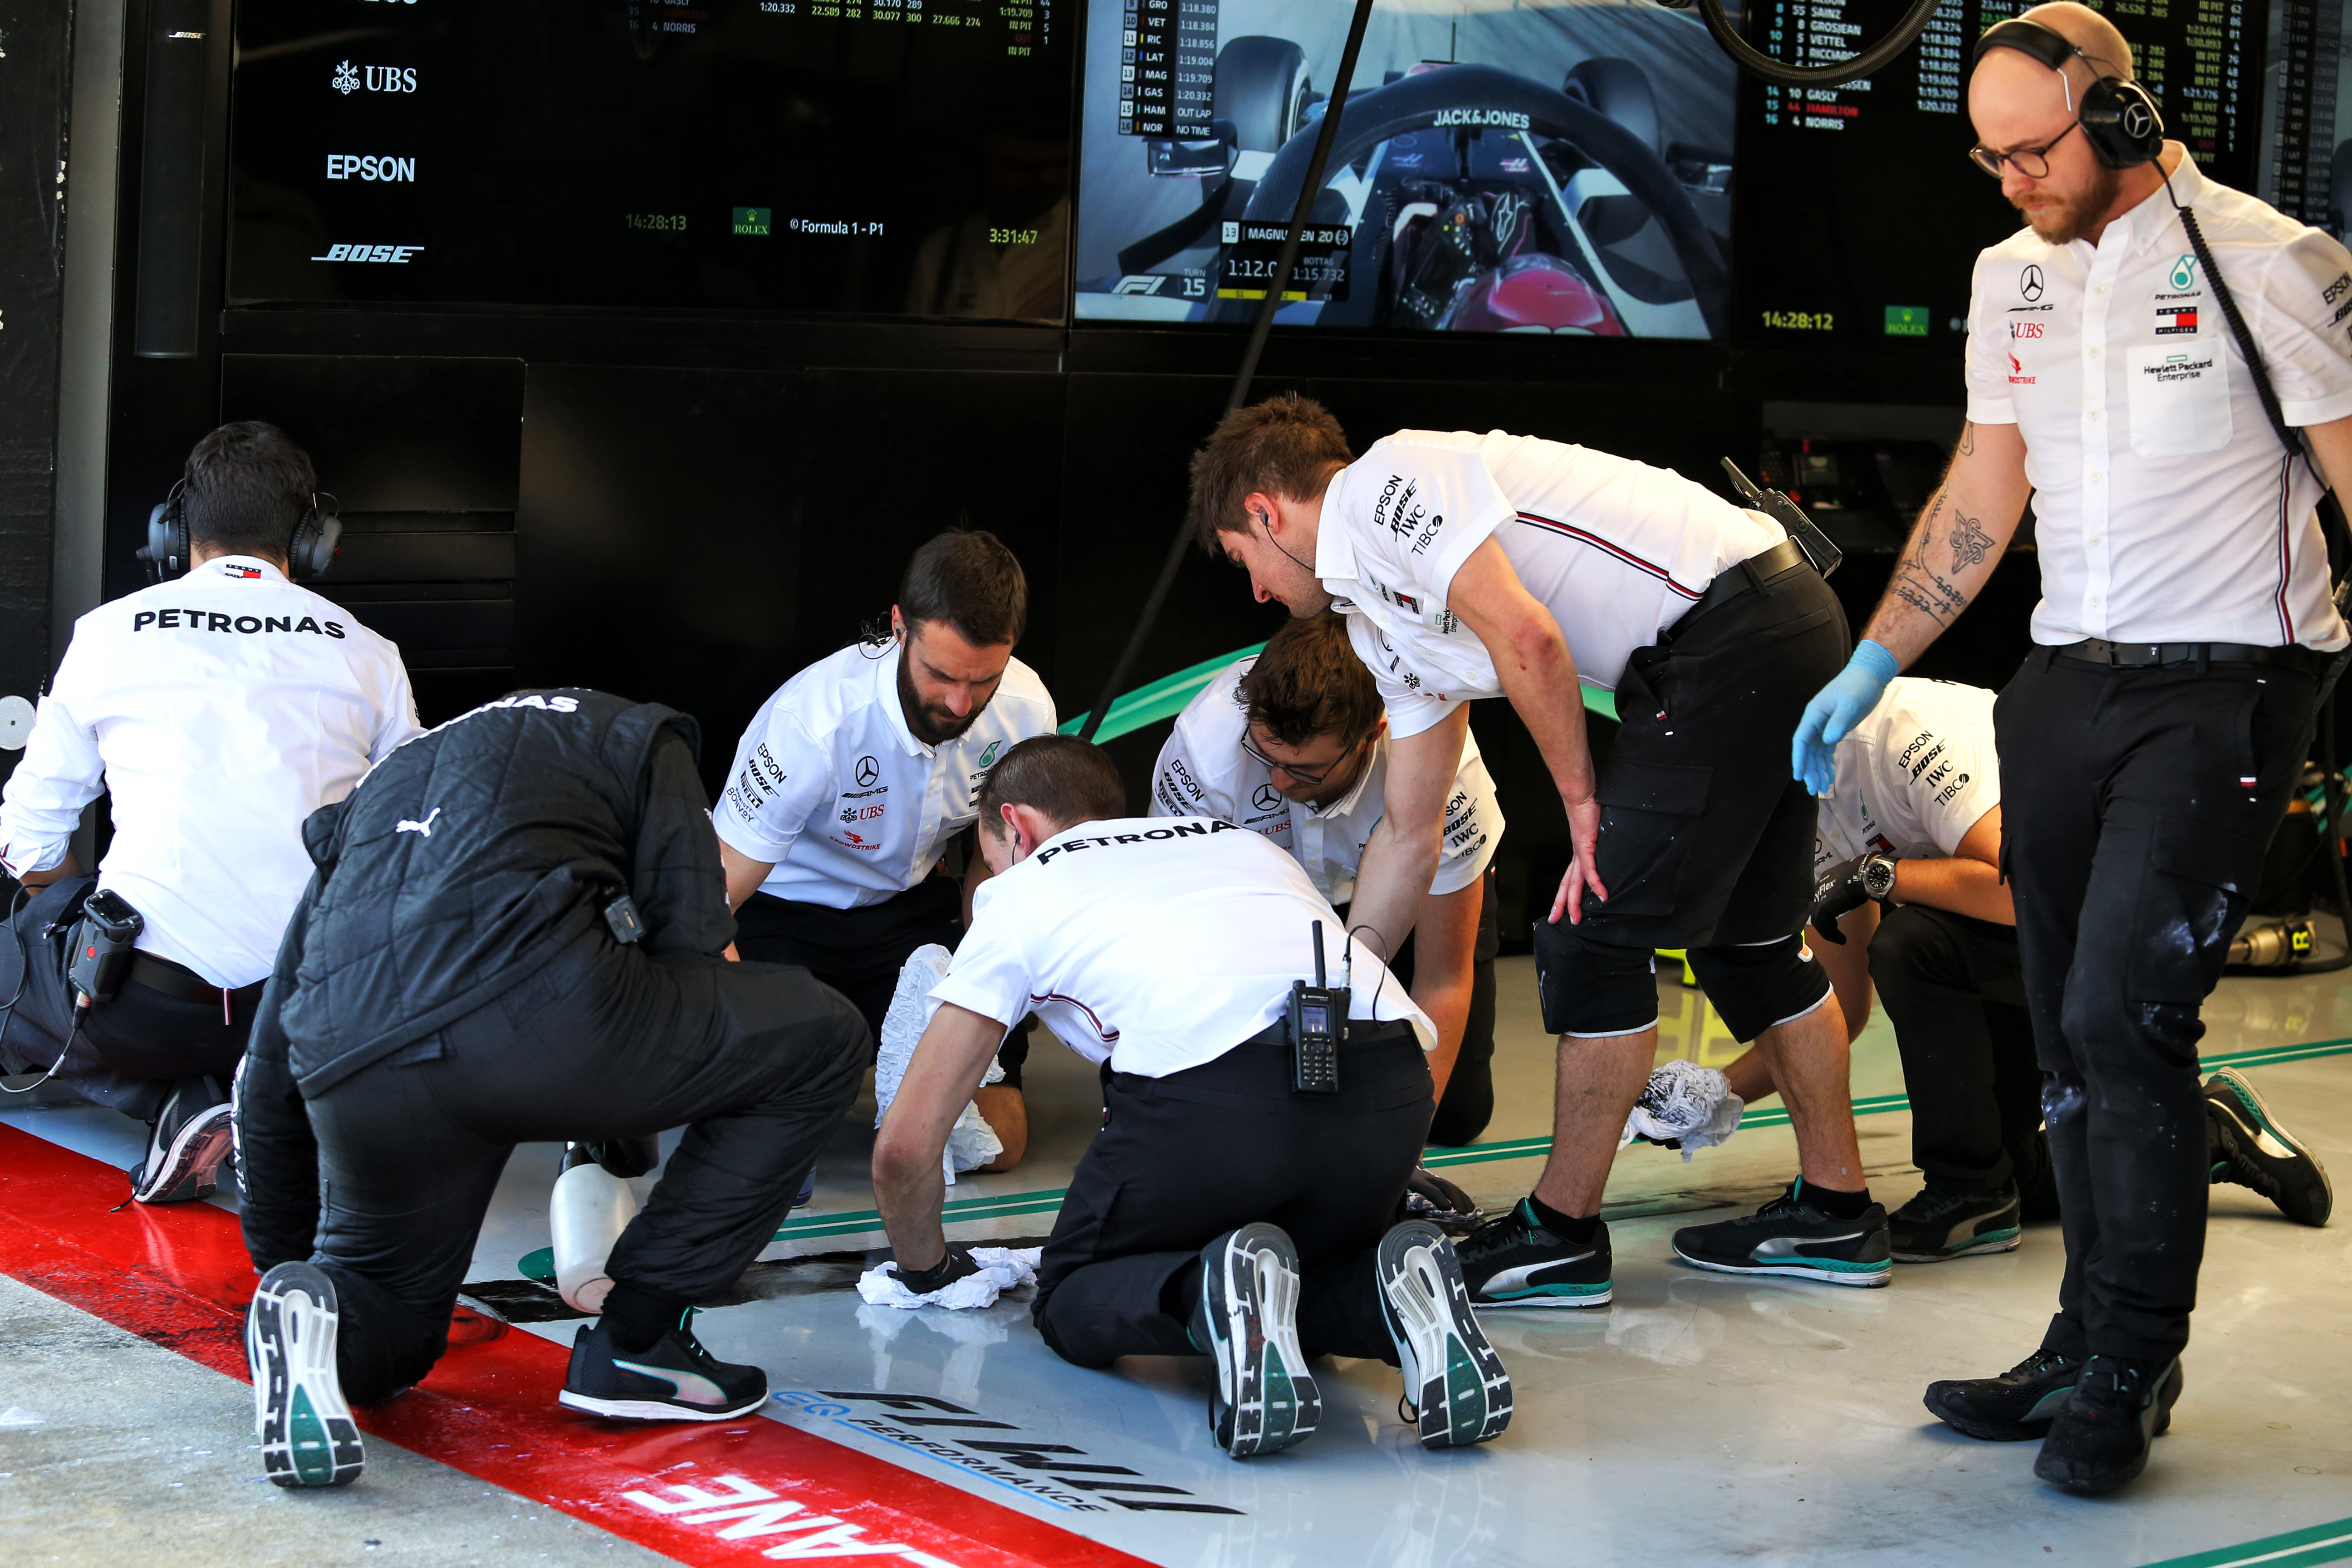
x,y
1221,1211
515,934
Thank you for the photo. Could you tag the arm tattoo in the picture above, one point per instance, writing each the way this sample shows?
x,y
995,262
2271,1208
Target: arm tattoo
x,y
1918,585
1968,439
1969,542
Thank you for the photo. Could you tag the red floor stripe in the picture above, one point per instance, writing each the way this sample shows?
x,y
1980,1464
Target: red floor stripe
x,y
179,1278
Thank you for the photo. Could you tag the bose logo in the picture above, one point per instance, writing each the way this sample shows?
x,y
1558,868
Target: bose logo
x,y
396,254
357,166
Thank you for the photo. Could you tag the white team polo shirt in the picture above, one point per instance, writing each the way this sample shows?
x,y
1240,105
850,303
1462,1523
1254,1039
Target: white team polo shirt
x,y
831,788
1913,777
1203,772
218,711
2164,509
1616,550
1158,943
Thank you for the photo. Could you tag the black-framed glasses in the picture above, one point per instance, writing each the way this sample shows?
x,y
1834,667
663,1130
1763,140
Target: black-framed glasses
x,y
2034,163
1310,778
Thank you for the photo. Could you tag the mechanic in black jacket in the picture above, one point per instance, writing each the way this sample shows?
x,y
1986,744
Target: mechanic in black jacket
x,y
516,933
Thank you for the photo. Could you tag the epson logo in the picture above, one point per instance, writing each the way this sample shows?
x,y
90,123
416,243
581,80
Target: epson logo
x,y
356,167
397,255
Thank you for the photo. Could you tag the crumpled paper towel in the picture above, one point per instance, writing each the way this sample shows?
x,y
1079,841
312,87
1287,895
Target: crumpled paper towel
x,y
972,1142
1686,1106
1002,1269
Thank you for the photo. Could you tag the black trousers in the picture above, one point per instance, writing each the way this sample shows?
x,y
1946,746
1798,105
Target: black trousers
x,y
859,953
1468,1103
1954,990
383,1180
132,1049
1183,1158
2136,808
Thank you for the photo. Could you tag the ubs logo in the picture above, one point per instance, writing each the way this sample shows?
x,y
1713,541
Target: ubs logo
x,y
868,769
1268,798
2029,282
349,79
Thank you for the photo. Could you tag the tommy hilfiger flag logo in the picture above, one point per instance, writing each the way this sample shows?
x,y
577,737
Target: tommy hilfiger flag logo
x,y
2171,319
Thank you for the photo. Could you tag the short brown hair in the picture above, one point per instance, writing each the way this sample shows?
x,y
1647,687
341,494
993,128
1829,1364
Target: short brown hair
x,y
1310,682
1061,777
967,578
247,485
1288,446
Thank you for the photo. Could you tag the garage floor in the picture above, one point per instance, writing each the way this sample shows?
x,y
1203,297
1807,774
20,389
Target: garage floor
x,y
1699,1418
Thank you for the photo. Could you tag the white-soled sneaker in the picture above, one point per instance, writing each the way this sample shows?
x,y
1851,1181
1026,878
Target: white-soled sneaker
x,y
1454,1384
307,1437
1247,1321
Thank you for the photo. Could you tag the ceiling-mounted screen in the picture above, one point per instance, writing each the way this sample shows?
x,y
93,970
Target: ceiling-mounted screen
x,y
1501,166
804,156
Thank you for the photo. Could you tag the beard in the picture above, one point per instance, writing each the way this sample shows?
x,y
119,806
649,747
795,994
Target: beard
x,y
931,726
2065,220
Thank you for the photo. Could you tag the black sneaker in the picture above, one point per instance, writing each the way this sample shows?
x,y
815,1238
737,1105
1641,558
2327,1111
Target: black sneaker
x,y
1934,1227
673,1379
1788,1236
2251,1149
1247,1321
308,1438
1454,1384
2018,1405
2100,1437
1514,1261
190,1138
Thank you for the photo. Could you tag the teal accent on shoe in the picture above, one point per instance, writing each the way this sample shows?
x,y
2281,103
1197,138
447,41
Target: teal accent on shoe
x,y
1601,1288
2046,1408
1841,1264
307,1442
2220,1168
1466,1395
2241,1092
1281,1403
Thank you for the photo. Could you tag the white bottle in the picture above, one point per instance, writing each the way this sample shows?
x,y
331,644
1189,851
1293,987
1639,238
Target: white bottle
x,y
586,1213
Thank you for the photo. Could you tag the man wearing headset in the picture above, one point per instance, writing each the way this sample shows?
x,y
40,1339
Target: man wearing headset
x,y
216,711
2151,741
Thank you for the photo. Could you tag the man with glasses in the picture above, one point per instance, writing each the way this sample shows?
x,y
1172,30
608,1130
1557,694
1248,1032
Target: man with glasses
x,y
1292,743
2151,741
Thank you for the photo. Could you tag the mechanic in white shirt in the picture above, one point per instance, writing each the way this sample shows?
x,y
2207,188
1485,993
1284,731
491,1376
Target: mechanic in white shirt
x,y
1292,743
2151,741
1489,565
1221,1210
216,712
856,776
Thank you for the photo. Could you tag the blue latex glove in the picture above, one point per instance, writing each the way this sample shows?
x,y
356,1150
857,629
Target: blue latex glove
x,y
1834,710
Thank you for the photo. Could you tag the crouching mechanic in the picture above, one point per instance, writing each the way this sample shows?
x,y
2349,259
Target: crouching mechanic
x,y
1482,565
516,933
218,711
1292,743
1221,1211
856,774
1911,899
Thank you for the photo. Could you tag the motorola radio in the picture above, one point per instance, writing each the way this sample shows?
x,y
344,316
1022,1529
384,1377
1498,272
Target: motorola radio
x,y
103,943
1319,1021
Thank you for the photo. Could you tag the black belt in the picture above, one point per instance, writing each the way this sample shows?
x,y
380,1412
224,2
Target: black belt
x,y
2155,655
178,979
1744,577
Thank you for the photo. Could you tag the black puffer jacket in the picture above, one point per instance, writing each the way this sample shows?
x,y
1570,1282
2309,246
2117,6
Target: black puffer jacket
x,y
480,851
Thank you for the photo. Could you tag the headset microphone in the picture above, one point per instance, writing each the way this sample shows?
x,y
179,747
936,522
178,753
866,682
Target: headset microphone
x,y
1266,527
2120,120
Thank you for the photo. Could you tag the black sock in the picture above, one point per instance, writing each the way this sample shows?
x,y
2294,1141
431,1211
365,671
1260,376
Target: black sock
x,y
1834,1203
1565,1226
636,1318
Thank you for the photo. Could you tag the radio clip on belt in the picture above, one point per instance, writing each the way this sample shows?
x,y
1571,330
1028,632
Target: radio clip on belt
x,y
1317,1017
1803,529
103,943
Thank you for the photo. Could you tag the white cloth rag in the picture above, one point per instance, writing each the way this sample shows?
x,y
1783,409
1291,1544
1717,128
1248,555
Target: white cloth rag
x,y
1687,1104
1002,1269
972,1142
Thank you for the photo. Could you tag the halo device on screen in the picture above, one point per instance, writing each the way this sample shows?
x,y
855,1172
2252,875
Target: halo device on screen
x,y
1500,166
875,157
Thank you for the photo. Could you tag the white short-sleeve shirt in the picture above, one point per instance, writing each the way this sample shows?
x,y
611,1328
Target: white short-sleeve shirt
x,y
1913,777
2164,509
218,712
831,788
1616,550
1156,943
1203,772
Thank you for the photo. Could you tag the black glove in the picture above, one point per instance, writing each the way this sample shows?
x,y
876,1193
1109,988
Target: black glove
x,y
1838,893
955,1266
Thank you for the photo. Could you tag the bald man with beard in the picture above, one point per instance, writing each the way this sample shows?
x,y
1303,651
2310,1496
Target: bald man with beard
x,y
2151,741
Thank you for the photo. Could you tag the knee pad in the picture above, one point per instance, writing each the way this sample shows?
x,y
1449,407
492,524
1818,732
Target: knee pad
x,y
1756,986
1590,988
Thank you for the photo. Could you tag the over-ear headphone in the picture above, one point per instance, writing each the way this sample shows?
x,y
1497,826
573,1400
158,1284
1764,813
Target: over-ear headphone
x,y
308,552
2120,120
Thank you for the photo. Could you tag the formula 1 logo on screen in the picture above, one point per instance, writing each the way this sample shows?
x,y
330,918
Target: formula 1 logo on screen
x,y
1551,168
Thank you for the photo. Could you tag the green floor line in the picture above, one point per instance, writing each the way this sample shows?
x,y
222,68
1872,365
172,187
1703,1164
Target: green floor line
x,y
2330,1543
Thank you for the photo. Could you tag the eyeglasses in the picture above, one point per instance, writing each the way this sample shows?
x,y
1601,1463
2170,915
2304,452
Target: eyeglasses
x,y
2034,163
1310,778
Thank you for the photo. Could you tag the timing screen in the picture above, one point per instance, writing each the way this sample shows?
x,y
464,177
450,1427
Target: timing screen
x,y
1499,168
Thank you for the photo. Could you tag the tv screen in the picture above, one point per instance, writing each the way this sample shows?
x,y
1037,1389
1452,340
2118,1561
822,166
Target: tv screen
x,y
1536,167
880,156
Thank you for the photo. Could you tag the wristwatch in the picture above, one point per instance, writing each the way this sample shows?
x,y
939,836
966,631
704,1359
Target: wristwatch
x,y
1878,876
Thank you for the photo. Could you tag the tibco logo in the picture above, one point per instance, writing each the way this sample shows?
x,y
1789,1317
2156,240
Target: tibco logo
x,y
396,254
354,166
